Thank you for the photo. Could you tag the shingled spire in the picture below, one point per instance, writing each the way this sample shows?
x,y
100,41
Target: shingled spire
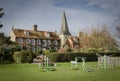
x,y
64,26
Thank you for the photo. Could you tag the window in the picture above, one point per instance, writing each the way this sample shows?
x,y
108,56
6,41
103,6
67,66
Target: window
x,y
44,48
55,48
38,48
49,42
76,39
26,33
28,41
28,47
21,47
49,48
38,42
44,43
76,45
47,34
20,40
33,48
33,41
55,42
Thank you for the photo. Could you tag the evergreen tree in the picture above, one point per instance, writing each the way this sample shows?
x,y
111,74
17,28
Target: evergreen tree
x,y
1,14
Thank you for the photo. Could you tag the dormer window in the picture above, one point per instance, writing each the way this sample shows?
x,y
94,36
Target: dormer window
x,y
47,34
76,39
26,33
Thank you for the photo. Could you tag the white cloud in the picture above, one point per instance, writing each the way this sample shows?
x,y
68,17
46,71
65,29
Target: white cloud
x,y
113,6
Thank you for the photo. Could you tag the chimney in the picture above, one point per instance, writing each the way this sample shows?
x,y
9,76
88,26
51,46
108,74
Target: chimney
x,y
34,27
56,32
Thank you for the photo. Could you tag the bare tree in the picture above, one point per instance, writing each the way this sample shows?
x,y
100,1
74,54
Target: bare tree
x,y
98,39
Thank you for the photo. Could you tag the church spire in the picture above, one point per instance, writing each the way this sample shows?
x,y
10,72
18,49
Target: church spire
x,y
64,26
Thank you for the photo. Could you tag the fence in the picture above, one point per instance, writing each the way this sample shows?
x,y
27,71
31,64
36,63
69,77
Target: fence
x,y
108,62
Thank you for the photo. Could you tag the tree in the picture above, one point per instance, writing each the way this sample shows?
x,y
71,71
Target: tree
x,y
118,24
98,39
2,52
1,14
118,30
2,37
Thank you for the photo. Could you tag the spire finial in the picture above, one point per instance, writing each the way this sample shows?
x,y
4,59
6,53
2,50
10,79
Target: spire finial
x,y
12,27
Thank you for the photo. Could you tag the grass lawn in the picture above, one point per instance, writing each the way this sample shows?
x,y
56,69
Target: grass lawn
x,y
31,72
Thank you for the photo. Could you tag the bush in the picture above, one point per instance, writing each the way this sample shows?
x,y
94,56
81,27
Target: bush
x,y
17,57
23,56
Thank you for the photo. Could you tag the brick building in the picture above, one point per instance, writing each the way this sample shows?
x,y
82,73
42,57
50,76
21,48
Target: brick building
x,y
35,39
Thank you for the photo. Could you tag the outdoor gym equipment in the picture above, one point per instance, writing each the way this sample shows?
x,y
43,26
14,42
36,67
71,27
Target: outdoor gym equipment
x,y
46,65
105,61
74,64
83,61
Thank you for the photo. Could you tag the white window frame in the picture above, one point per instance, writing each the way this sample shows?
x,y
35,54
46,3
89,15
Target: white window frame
x,y
44,43
38,42
33,41
33,48
55,42
26,33
49,42
20,40
28,41
38,48
56,48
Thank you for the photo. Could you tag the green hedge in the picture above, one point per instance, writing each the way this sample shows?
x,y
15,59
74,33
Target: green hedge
x,y
66,57
23,56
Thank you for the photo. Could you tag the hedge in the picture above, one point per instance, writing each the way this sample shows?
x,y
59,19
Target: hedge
x,y
23,56
69,56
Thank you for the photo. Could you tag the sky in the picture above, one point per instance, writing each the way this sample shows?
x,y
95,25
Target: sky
x,y
47,14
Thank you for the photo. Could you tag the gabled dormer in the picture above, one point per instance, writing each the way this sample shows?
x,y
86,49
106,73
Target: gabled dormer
x,y
26,33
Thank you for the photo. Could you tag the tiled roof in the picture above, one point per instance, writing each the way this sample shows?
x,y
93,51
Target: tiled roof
x,y
74,39
35,34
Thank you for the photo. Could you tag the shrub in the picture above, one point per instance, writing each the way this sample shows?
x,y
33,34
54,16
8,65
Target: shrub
x,y
23,56
30,57
69,50
17,57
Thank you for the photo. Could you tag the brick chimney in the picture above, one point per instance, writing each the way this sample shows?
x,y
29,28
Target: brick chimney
x,y
34,27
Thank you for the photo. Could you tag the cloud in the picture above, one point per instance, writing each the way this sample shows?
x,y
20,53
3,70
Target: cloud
x,y
24,13
111,6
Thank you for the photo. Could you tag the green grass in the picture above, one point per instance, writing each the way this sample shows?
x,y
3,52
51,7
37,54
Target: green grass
x,y
31,72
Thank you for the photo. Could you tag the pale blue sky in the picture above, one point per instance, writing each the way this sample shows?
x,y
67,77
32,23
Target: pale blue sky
x,y
47,14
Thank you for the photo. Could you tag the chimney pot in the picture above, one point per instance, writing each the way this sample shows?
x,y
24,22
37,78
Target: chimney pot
x,y
35,27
